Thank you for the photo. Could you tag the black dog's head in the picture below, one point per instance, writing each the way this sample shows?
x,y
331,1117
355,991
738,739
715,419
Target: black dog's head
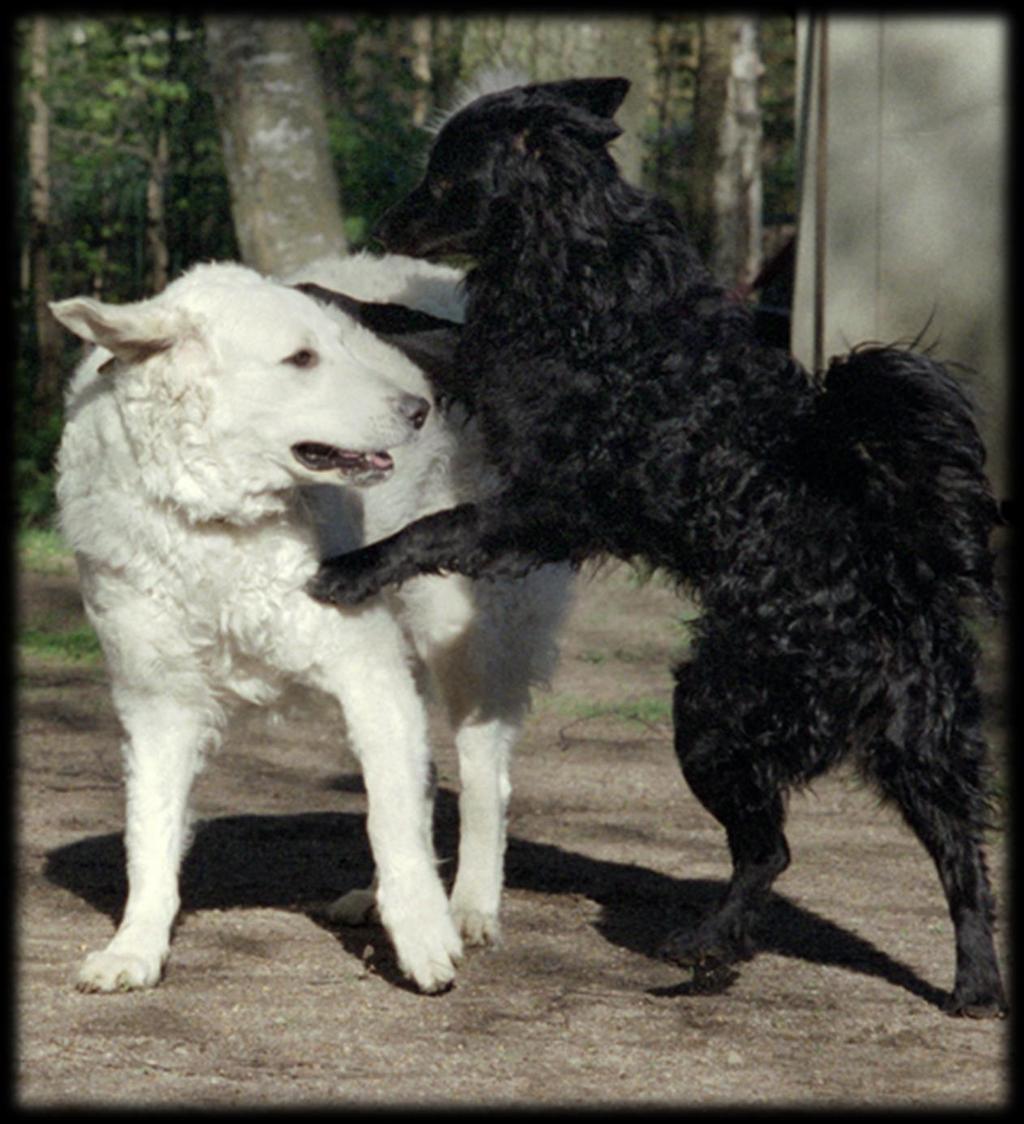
x,y
488,154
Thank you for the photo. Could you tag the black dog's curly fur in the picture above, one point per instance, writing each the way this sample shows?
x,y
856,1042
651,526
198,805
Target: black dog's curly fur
x,y
831,527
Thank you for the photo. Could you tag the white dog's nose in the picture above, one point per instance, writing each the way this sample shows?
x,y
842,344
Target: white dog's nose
x,y
414,409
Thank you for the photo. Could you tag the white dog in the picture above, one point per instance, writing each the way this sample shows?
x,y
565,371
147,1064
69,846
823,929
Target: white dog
x,y
194,432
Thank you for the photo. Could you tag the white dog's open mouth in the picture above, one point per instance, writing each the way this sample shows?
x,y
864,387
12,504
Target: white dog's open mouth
x,y
327,458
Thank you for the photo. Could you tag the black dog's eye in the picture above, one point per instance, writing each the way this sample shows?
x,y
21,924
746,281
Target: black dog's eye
x,y
304,357
440,186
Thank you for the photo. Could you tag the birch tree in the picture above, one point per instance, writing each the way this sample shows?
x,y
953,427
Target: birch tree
x,y
727,148
270,107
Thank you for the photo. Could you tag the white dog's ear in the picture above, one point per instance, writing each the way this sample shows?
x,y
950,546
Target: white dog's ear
x,y
131,332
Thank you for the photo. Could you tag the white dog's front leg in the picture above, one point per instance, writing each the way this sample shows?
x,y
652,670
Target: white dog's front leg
x,y
387,728
484,750
358,907
162,754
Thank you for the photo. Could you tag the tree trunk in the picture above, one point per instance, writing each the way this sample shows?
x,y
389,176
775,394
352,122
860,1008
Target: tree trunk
x,y
270,106
156,219
46,394
546,48
727,148
422,50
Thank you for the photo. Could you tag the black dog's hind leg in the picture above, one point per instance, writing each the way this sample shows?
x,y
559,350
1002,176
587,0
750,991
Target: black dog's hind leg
x,y
938,785
957,853
721,778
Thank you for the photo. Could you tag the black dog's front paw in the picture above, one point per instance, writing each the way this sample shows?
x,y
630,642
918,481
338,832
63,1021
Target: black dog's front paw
x,y
348,579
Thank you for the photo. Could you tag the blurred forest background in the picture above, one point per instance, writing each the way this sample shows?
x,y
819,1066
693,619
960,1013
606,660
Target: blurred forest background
x,y
145,143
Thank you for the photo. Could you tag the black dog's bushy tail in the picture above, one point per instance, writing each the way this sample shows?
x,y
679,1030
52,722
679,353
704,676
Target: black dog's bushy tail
x,y
905,432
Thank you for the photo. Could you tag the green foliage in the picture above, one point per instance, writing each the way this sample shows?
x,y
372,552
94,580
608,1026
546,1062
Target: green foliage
x,y
34,491
378,151
33,472
116,84
669,140
778,107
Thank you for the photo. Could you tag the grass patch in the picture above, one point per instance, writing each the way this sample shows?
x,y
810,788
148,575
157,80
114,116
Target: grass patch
x,y
619,655
75,645
49,636
44,552
648,711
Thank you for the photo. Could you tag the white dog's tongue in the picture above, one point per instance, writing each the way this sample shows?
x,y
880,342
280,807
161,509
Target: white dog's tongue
x,y
327,458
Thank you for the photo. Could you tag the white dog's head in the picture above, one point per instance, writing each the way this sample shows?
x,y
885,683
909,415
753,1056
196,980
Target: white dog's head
x,y
233,388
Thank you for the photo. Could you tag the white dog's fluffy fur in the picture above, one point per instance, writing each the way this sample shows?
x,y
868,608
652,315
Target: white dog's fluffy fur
x,y
195,528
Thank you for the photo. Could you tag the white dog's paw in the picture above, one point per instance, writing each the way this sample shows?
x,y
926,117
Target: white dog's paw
x,y
119,971
357,907
426,943
477,926
475,904
429,959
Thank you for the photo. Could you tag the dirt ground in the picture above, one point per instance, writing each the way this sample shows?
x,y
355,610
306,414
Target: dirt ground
x,y
264,1005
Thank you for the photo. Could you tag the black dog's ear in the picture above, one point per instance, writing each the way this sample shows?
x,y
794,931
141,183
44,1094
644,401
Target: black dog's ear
x,y
428,341
585,105
600,96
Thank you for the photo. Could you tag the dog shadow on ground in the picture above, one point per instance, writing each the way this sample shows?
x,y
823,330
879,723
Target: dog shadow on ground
x,y
303,862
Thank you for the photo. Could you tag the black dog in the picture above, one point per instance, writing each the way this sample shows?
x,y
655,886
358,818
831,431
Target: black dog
x,y
831,527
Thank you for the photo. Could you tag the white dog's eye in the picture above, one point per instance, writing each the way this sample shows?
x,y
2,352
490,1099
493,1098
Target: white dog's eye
x,y
304,357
